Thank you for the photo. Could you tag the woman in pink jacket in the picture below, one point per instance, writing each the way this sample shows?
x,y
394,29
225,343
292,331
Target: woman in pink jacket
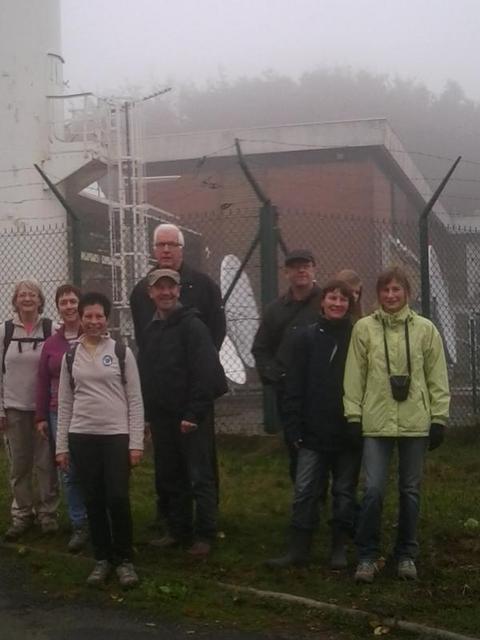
x,y
66,299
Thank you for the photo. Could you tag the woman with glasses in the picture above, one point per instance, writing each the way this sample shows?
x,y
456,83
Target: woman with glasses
x,y
397,396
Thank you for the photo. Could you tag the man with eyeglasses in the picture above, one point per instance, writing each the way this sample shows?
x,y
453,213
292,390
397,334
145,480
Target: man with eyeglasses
x,y
197,290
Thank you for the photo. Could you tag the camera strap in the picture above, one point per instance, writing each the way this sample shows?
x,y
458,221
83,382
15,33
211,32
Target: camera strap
x,y
407,346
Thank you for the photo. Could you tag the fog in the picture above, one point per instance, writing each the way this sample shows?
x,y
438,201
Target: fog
x,y
112,44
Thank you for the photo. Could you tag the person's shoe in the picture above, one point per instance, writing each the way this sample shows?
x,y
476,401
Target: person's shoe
x,y
100,573
366,571
165,542
127,576
406,570
78,540
17,529
338,554
49,526
298,553
199,549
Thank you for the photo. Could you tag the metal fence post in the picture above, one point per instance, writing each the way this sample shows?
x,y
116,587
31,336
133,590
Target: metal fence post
x,y
268,237
269,290
473,362
424,242
76,247
268,253
76,251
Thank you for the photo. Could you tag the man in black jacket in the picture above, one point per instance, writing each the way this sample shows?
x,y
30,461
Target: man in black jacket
x,y
273,342
181,375
198,290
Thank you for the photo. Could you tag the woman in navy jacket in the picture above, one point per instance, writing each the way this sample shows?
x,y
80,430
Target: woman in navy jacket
x,y
315,424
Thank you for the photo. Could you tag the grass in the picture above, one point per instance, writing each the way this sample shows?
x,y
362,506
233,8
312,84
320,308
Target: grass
x,y
256,495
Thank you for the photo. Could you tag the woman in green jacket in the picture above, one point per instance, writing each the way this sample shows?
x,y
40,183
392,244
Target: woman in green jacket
x,y
396,394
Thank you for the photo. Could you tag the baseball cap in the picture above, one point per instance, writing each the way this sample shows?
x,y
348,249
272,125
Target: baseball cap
x,y
299,254
156,274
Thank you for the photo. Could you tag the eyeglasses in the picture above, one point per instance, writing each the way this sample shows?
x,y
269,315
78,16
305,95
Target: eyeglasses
x,y
167,245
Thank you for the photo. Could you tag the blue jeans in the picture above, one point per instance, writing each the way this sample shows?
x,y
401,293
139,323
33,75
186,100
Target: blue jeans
x,y
71,483
377,453
313,471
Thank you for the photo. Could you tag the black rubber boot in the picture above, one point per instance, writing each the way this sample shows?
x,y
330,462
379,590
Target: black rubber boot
x,y
298,553
338,555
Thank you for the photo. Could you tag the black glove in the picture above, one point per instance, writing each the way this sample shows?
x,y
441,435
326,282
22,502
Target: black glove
x,y
354,435
436,436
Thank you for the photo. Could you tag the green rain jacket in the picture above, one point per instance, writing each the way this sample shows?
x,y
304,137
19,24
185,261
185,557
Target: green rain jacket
x,y
368,397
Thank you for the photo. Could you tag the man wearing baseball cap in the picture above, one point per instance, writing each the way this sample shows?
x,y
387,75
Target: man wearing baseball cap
x,y
198,290
299,306
179,369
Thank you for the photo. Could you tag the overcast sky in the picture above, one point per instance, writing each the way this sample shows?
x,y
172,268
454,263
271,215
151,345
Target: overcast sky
x,y
110,44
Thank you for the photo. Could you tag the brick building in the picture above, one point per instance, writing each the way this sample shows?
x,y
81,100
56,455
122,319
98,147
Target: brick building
x,y
335,185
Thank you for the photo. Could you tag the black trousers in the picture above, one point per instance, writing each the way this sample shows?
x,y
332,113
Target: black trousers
x,y
185,478
162,498
103,466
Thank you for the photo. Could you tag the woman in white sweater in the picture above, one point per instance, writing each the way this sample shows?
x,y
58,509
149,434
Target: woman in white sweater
x,y
101,425
21,342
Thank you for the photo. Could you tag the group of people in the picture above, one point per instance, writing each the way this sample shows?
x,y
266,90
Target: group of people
x,y
72,397
349,389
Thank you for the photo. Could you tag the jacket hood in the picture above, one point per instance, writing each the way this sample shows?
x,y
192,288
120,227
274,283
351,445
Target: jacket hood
x,y
392,319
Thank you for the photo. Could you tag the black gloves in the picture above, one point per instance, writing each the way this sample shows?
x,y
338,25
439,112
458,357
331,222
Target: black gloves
x,y
354,435
436,436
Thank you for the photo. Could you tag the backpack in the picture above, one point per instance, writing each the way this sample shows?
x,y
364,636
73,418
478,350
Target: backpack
x,y
120,352
220,379
9,328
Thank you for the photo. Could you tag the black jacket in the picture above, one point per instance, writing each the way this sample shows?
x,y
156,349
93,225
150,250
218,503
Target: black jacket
x,y
197,290
313,401
273,341
179,367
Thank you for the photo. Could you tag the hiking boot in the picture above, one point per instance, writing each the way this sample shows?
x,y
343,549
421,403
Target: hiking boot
x,y
127,575
165,542
199,549
366,571
338,554
49,526
406,570
100,573
78,540
298,553
17,529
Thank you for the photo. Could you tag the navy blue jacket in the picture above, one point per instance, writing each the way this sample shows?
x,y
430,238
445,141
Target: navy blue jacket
x,y
313,402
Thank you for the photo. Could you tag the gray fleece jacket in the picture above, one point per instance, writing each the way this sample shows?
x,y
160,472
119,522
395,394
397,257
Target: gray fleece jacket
x,y
100,404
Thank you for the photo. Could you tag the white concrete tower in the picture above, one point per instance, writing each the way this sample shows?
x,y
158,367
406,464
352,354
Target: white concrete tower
x,y
30,70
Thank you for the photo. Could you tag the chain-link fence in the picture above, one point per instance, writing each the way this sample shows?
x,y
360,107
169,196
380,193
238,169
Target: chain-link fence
x,y
222,244
39,252
366,245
